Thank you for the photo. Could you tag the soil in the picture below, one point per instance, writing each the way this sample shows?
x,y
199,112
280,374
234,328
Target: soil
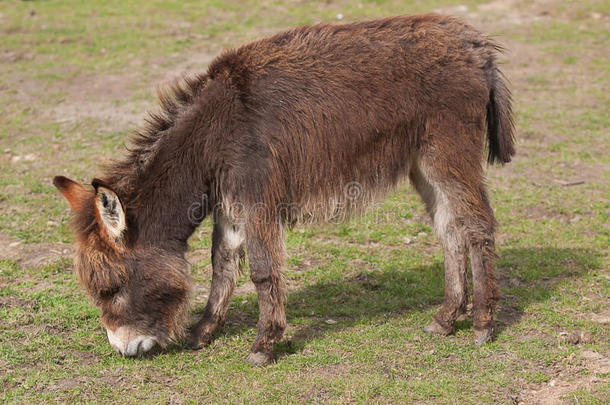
x,y
32,255
567,380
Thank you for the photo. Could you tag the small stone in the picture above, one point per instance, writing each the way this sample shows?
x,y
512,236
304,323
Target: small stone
x,y
514,282
596,16
331,321
576,219
577,337
339,16
586,337
408,240
572,337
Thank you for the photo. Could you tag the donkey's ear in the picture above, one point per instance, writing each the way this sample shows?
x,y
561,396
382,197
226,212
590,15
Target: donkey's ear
x,y
109,209
75,193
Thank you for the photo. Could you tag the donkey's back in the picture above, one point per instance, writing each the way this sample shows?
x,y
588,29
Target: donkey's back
x,y
329,106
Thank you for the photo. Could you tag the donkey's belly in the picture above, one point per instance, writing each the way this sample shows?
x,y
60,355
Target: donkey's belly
x,y
341,186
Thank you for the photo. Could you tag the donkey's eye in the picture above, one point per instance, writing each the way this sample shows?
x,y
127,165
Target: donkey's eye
x,y
109,293
119,299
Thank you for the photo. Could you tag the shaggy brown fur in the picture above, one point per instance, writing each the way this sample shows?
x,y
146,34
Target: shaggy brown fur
x,y
279,131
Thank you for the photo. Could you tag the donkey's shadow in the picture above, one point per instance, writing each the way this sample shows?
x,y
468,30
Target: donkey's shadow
x,y
318,309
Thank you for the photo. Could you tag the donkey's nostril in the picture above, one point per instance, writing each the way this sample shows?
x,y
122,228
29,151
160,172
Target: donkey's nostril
x,y
147,343
139,345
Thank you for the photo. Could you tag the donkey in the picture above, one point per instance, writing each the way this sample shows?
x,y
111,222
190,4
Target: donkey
x,y
291,121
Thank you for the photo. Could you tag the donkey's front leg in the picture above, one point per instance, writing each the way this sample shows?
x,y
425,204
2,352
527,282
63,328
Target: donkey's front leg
x,y
227,253
266,256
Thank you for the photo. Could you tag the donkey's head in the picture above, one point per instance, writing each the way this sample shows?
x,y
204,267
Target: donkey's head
x,y
142,290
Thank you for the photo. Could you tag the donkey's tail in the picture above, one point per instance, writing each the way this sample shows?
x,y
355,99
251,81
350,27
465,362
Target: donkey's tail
x,y
500,125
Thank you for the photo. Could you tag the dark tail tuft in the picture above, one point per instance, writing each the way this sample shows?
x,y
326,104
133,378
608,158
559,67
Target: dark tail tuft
x,y
500,125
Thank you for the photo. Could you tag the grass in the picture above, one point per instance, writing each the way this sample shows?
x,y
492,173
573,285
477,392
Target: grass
x,y
75,79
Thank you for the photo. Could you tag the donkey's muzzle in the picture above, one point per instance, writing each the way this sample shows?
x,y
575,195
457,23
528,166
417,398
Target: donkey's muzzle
x,y
128,343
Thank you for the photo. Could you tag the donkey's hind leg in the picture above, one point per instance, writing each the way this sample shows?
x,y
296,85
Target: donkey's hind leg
x,y
454,250
227,254
266,255
484,276
451,164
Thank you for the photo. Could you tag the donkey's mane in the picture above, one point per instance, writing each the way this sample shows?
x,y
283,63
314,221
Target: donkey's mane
x,y
121,174
124,174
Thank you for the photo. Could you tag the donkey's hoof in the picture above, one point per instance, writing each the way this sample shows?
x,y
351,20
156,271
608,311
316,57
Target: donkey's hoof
x,y
483,336
193,345
259,359
435,327
196,343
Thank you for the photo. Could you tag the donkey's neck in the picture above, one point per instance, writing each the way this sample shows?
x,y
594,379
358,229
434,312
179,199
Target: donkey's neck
x,y
168,177
170,210
169,198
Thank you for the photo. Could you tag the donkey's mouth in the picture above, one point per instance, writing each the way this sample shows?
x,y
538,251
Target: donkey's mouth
x,y
128,344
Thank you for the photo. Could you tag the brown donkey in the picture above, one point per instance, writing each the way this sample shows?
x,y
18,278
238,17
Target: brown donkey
x,y
276,132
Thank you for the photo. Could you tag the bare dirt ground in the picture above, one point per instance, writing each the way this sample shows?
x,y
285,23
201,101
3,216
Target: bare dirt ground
x,y
564,382
33,254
